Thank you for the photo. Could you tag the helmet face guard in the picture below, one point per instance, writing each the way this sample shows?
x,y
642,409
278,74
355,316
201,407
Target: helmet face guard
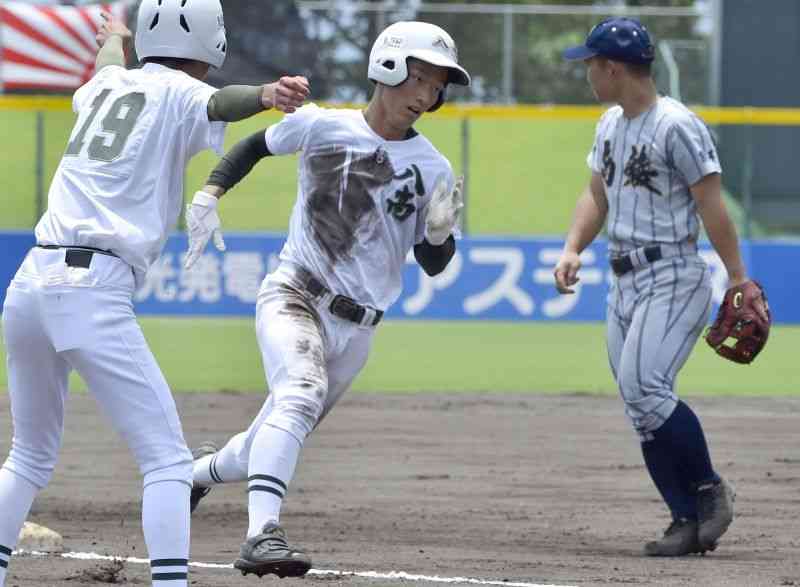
x,y
185,30
388,59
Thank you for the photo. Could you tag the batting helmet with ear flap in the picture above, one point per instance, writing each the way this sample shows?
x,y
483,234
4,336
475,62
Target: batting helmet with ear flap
x,y
186,29
424,41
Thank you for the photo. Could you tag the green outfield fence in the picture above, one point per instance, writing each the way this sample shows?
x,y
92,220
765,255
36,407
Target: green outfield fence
x,y
488,143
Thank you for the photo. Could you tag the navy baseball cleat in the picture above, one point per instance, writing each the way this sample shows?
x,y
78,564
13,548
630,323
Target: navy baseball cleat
x,y
198,493
269,553
714,511
679,539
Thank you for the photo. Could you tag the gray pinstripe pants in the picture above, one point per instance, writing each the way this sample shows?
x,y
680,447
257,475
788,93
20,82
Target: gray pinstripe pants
x,y
655,315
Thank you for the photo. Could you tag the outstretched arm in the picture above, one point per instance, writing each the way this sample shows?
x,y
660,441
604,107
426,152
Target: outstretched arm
x,y
237,102
590,214
112,37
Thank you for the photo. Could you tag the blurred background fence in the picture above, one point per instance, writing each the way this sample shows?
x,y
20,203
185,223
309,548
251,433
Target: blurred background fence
x,y
521,134
524,165
514,133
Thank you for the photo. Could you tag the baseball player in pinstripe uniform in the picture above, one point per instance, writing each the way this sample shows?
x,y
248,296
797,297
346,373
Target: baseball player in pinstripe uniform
x,y
114,198
370,189
655,175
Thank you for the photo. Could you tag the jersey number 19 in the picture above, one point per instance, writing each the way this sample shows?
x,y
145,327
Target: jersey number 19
x,y
119,126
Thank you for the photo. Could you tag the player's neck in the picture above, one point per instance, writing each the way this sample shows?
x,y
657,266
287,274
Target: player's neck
x,y
378,121
639,97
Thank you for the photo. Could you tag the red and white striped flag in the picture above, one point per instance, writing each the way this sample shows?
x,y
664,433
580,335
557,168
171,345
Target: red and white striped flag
x,y
49,47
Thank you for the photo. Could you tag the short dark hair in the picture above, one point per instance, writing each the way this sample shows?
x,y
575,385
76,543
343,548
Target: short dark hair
x,y
173,62
640,69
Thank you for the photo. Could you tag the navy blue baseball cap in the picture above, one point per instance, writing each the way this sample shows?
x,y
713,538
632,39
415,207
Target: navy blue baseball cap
x,y
619,39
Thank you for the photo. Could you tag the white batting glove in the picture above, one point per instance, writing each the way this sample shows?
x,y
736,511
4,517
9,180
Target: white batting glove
x,y
443,211
202,222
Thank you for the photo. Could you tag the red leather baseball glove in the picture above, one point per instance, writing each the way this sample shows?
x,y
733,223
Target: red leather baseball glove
x,y
742,325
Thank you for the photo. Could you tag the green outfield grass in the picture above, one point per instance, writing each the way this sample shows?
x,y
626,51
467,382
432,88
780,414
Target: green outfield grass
x,y
524,175
524,179
459,356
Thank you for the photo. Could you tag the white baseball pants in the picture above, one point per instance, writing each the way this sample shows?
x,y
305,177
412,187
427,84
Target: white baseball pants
x,y
58,318
310,357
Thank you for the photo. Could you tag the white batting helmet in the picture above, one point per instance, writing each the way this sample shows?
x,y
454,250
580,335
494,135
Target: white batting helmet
x,y
421,40
187,29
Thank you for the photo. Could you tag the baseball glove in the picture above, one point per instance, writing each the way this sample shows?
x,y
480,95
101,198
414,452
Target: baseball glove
x,y
742,325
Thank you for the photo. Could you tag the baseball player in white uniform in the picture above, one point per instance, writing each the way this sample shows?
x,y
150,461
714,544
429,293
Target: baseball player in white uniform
x,y
655,175
114,197
370,189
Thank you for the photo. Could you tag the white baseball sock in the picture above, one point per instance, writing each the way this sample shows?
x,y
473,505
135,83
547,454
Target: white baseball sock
x,y
224,466
16,497
273,458
165,520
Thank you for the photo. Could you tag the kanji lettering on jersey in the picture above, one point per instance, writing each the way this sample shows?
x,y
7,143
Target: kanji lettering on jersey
x,y
609,167
401,207
639,170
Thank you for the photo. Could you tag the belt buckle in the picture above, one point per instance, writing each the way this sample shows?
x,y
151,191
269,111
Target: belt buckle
x,y
345,307
621,265
78,258
618,265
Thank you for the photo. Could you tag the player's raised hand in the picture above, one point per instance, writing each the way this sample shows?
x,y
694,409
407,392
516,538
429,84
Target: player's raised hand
x,y
444,210
287,94
566,272
202,222
112,26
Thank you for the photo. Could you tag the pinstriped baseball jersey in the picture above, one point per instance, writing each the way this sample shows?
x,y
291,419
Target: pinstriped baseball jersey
x,y
648,164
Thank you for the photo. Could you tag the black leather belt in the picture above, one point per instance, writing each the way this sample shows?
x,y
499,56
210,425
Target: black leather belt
x,y
624,264
79,256
341,306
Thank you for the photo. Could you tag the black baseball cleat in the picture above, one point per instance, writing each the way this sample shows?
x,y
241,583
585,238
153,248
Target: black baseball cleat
x,y
679,539
198,493
714,511
268,553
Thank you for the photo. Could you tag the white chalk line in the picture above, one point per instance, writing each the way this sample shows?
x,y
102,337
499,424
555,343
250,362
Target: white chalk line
x,y
390,575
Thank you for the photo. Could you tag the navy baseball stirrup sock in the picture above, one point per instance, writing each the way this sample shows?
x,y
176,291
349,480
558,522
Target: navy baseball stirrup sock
x,y
663,468
685,435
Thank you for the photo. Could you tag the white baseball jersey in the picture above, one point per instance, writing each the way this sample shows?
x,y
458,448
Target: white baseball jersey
x,y
648,164
361,200
119,185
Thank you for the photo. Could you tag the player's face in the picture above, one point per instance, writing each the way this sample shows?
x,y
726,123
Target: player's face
x,y
416,95
600,75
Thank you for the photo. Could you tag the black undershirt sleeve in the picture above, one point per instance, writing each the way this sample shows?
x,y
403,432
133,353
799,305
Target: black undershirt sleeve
x,y
239,161
434,259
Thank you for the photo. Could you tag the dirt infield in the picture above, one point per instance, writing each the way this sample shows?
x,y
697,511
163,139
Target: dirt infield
x,y
523,488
